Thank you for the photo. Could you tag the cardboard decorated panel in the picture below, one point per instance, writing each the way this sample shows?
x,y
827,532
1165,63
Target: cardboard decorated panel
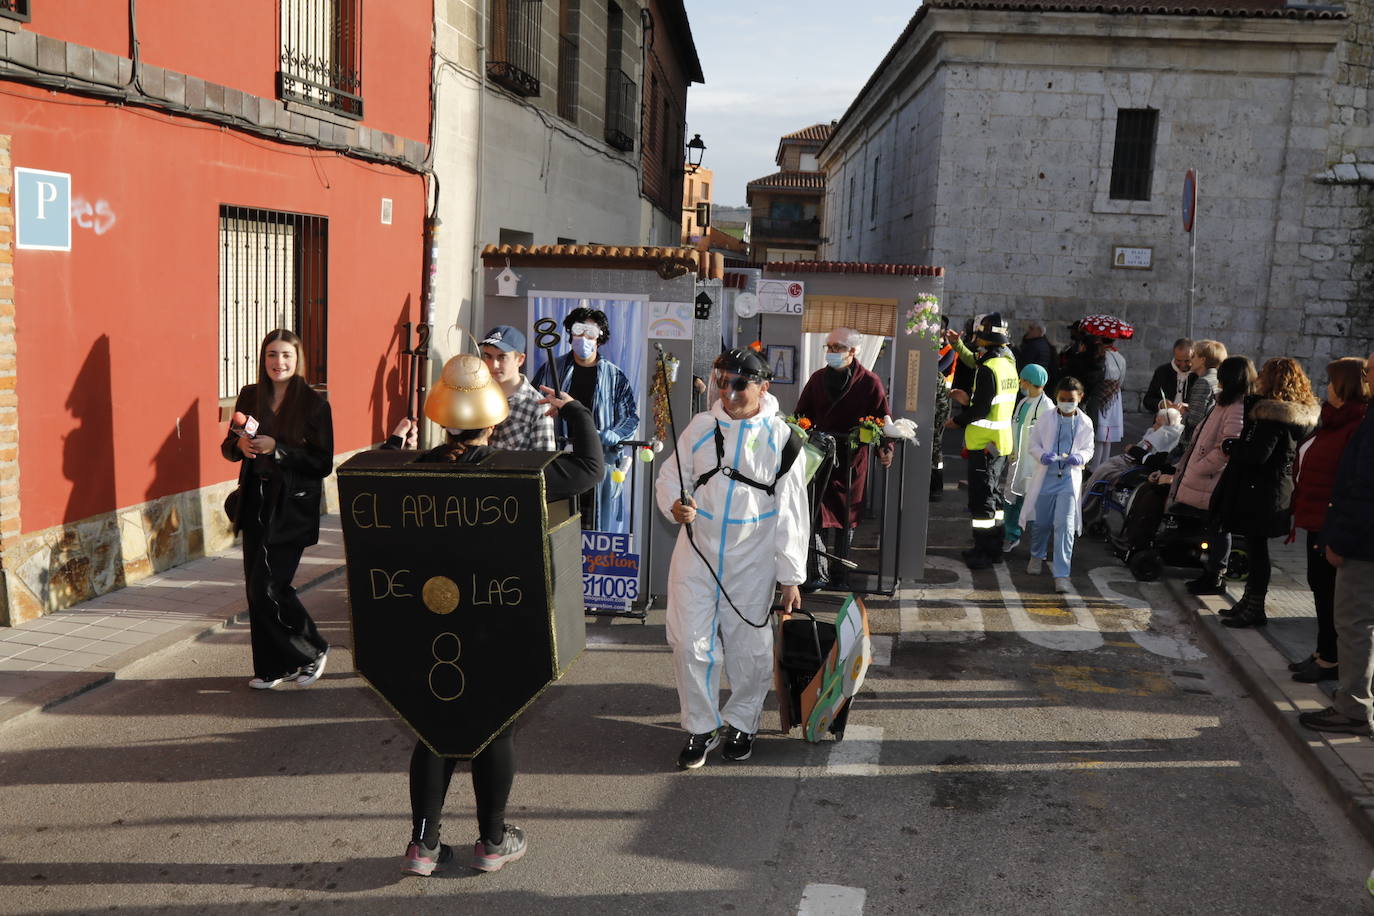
x,y
465,605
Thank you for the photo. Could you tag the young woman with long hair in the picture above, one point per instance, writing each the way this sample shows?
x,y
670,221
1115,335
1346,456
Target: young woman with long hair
x,y
1255,493
1314,475
281,476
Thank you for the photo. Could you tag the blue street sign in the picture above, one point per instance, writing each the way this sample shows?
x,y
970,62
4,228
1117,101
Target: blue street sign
x,y
43,202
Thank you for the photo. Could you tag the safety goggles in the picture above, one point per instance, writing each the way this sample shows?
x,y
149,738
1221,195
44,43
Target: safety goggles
x,y
583,329
734,382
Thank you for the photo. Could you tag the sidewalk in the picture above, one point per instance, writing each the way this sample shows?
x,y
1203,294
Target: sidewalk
x,y
60,656
1259,658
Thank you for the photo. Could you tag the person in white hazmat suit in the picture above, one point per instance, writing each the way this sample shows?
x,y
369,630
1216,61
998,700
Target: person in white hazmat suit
x,y
747,508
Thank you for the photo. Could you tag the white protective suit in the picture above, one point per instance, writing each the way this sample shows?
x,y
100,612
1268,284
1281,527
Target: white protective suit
x,y
1042,443
753,540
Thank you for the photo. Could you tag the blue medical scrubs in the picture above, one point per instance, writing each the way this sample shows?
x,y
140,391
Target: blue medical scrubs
x,y
1056,506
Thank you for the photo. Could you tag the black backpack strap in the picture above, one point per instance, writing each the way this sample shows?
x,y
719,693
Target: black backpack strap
x,y
790,450
720,459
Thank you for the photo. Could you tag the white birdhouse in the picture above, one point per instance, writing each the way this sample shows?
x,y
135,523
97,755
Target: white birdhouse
x,y
507,282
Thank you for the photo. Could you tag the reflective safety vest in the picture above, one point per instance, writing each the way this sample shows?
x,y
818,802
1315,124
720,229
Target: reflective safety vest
x,y
995,428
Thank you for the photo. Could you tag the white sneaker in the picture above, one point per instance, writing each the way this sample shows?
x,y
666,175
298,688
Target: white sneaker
x,y
311,672
1062,586
1036,566
258,683
1011,545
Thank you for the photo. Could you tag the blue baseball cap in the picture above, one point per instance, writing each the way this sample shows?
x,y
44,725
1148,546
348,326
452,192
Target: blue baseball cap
x,y
506,338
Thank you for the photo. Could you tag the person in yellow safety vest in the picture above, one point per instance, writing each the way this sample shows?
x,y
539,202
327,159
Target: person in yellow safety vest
x,y
986,421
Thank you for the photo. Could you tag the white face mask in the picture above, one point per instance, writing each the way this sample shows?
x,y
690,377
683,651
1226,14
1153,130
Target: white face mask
x,y
1068,407
584,347
834,360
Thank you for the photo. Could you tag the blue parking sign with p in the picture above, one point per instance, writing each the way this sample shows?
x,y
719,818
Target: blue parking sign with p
x,y
43,203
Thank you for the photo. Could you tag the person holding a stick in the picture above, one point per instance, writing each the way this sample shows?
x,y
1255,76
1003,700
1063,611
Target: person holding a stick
x,y
738,489
529,427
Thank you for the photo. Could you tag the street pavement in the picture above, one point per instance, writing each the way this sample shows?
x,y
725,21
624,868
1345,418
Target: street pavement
x,y
1013,751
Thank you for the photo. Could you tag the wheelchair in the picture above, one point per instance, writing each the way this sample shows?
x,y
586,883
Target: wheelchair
x,y
1180,539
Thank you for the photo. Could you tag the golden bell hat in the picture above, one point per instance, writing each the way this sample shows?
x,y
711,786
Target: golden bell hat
x,y
466,396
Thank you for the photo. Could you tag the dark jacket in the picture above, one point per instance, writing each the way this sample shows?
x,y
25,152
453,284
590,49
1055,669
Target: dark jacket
x,y
568,475
292,481
1256,489
1163,387
1349,528
1036,350
1090,368
1314,473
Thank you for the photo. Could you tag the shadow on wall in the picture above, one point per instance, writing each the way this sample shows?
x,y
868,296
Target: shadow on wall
x,y
171,523
391,386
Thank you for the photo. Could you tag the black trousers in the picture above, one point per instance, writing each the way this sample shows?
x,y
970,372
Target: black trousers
x,y
284,636
985,501
937,436
493,773
1257,550
1321,578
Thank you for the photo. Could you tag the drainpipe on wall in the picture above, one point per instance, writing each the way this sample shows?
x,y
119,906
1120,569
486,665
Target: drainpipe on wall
x,y
478,297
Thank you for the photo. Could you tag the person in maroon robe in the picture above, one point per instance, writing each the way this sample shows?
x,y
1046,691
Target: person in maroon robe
x,y
834,400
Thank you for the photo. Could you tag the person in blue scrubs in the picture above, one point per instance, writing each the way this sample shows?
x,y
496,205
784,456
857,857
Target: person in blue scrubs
x,y
1062,443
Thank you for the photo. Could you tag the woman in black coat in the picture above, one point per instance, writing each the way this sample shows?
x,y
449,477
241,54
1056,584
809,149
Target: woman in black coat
x,y
1254,494
281,477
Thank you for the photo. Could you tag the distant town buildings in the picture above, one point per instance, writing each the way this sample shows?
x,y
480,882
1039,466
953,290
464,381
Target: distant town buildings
x,y
786,207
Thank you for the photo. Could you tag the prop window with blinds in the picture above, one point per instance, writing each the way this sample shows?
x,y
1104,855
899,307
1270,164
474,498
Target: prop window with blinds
x,y
877,317
273,273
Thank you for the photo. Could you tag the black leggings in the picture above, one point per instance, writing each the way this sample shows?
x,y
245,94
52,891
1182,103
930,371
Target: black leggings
x,y
493,773
1257,550
1321,578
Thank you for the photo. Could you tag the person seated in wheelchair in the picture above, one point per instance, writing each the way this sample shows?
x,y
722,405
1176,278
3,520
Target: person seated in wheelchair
x,y
1158,440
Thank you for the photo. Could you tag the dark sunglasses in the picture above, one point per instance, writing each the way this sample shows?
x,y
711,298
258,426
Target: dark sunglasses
x,y
738,383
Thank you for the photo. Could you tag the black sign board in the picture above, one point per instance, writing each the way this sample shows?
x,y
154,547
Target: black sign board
x,y
465,589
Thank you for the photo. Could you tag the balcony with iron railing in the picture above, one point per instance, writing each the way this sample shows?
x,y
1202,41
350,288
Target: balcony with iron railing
x,y
15,9
567,77
767,227
321,55
622,107
513,45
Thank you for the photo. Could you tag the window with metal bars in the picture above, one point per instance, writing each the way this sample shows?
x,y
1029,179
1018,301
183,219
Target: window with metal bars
x,y
1133,158
622,95
873,205
569,55
273,273
321,54
513,44
15,9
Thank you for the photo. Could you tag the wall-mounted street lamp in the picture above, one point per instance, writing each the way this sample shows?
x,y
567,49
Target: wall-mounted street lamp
x,y
695,150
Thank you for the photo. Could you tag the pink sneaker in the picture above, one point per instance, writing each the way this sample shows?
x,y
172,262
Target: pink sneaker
x,y
421,860
487,857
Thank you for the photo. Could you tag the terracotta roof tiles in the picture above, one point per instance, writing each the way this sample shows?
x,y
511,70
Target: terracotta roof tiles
x,y
853,267
789,181
705,263
1244,8
816,132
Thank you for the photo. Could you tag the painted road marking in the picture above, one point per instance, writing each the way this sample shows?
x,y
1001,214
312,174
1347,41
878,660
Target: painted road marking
x,y
882,649
1079,636
832,900
1087,679
1137,619
937,624
858,753
1058,766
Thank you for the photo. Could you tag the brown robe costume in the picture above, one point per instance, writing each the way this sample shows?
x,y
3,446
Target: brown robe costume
x,y
863,396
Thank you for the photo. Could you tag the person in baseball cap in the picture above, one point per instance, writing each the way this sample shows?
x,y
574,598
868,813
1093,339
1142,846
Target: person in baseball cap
x,y
528,427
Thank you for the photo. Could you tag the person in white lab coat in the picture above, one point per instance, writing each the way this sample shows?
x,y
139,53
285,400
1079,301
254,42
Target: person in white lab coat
x,y
749,523
1021,468
1062,442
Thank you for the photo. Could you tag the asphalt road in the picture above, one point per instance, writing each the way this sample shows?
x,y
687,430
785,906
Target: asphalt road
x,y
1019,754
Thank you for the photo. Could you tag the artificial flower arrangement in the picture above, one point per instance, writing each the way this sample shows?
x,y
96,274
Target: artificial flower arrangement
x,y
923,318
869,430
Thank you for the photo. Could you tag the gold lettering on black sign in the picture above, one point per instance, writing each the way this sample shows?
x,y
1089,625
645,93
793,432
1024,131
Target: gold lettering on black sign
x,y
388,585
446,679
